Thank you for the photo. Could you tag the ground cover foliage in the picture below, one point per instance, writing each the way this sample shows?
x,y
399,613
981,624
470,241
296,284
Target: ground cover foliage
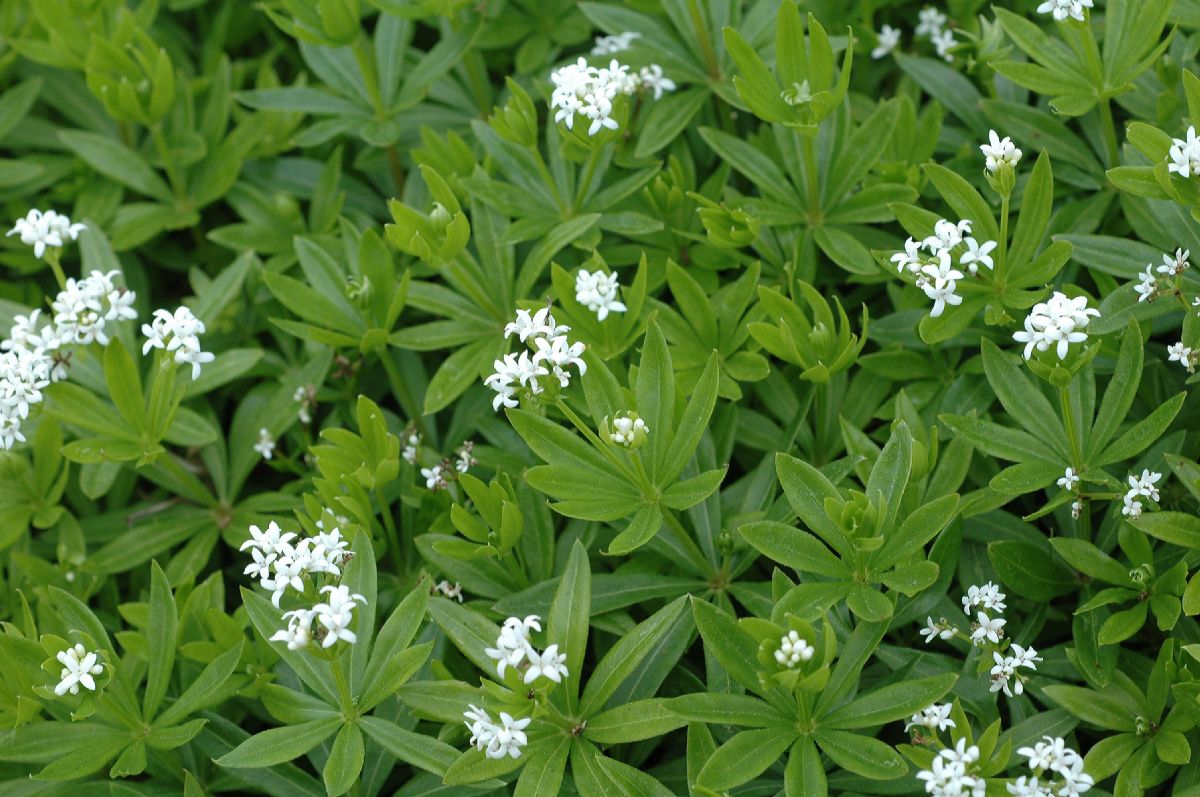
x,y
695,397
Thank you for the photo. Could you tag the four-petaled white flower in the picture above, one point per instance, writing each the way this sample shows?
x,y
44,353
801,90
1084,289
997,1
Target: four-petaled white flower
x,y
1069,479
178,333
1184,355
988,596
336,613
1147,285
1174,265
549,664
999,152
929,22
504,739
79,669
988,629
943,42
935,718
1062,9
886,41
939,630
654,81
977,255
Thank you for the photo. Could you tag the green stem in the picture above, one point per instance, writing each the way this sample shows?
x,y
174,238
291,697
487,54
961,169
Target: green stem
x,y
589,174
52,257
710,55
1110,131
595,440
690,547
810,177
389,528
1091,53
1002,260
343,689
164,154
547,178
396,168
1064,398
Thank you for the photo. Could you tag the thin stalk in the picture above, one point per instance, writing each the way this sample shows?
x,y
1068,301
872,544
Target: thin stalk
x,y
164,154
810,177
690,547
1064,398
52,257
706,48
1091,53
389,528
1002,262
595,440
589,174
547,178
396,168
343,689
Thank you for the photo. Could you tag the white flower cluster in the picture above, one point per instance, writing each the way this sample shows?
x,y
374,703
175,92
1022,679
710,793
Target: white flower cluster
x,y
1172,266
1058,322
412,445
177,332
597,291
935,718
502,739
999,152
1061,9
989,598
617,43
935,272
278,564
932,23
1057,771
627,429
1004,673
45,229
589,91
1144,486
953,774
793,649
439,476
514,649
552,354
36,353
306,397
79,669
1184,155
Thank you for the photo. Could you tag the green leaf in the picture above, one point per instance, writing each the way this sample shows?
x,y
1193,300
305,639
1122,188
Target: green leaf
x,y
544,768
1144,433
687,432
205,689
115,161
655,395
124,384
804,775
280,745
1022,399
1029,570
567,624
793,547
744,757
916,531
861,755
890,703
641,529
424,752
345,761
633,722
624,657
161,632
1090,560
1108,709
964,200
1177,528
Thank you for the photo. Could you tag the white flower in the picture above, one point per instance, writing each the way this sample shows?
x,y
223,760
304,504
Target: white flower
x,y
79,667
305,396
508,737
481,726
559,353
1004,674
935,718
273,540
1181,354
929,21
1147,285
177,332
942,293
910,258
939,630
988,629
1132,507
988,596
549,664
946,235
1069,479
654,81
434,478
539,324
1061,9
336,614
299,629
463,461
266,443
1076,509
553,353
1057,322
448,590
1184,155
944,42
41,230
977,255
1175,265
793,650
512,645
618,43
887,40
948,775
260,568
999,152
597,292
1028,786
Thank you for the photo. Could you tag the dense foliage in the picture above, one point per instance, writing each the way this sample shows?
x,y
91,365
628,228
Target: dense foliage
x,y
621,397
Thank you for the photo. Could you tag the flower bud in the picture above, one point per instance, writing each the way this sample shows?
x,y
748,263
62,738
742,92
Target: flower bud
x,y
517,121
626,430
